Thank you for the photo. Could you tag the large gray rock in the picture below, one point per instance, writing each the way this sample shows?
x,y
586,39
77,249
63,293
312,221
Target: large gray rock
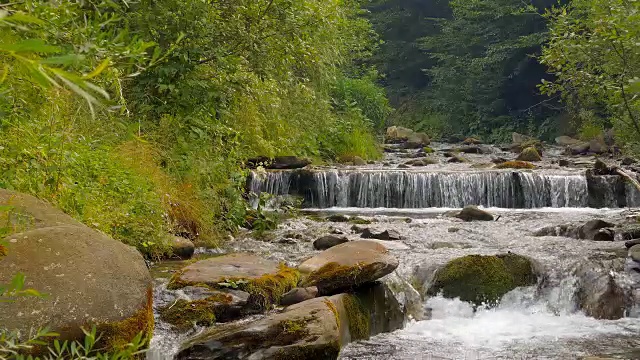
x,y
599,295
347,266
89,278
313,330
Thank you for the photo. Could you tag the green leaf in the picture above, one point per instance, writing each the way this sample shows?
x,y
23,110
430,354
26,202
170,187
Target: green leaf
x,y
24,18
69,59
30,45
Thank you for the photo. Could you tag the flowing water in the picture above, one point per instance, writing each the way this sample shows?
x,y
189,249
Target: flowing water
x,y
540,322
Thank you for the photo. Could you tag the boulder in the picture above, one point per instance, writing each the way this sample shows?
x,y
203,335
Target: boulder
x,y
417,141
473,213
278,162
631,243
347,266
529,154
593,229
182,248
299,295
316,329
472,141
515,165
634,253
90,279
329,241
517,138
456,160
580,148
397,134
473,149
598,146
383,235
205,307
266,281
421,162
567,141
599,295
628,161
337,218
483,279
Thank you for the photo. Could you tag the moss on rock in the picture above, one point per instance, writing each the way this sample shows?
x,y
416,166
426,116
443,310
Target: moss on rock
x,y
334,276
183,314
359,318
483,279
515,165
117,335
529,154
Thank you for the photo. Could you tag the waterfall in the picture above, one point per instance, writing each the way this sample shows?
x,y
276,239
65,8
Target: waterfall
x,y
415,189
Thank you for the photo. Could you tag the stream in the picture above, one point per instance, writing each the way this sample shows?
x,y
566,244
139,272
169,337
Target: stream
x,y
540,322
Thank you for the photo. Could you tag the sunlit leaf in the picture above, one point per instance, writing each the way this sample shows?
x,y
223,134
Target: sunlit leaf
x,y
30,45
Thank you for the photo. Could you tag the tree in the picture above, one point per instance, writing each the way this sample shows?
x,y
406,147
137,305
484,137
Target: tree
x,y
594,52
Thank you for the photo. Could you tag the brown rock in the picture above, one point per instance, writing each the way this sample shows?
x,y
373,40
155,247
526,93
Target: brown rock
x,y
182,248
299,295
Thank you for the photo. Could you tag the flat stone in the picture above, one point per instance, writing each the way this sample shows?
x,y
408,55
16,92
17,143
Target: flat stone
x,y
218,269
348,266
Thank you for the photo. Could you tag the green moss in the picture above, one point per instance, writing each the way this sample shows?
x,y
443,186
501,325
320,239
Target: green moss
x,y
309,352
268,289
428,150
359,318
334,310
333,276
359,221
183,314
116,335
515,165
483,279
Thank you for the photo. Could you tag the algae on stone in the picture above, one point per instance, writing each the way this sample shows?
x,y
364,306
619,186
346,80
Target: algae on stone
x,y
483,279
515,165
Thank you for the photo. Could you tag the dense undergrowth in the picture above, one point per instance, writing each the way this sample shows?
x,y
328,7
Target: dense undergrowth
x,y
136,117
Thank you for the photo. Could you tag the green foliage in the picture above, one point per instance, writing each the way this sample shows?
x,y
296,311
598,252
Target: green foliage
x,y
594,53
13,346
180,94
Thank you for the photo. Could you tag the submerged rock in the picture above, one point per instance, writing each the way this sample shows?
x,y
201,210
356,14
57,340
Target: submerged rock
x,y
347,266
90,279
329,241
383,235
473,213
266,281
483,279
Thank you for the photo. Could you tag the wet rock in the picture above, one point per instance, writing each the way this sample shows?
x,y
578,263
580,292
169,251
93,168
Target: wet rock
x,y
182,248
634,253
599,295
455,159
473,149
580,148
421,162
566,230
417,141
604,235
383,235
629,244
516,165
403,166
205,307
266,281
329,241
359,221
453,229
473,213
315,329
592,229
86,275
498,160
279,162
347,266
600,168
529,154
299,295
567,141
483,279
565,163
338,218
628,161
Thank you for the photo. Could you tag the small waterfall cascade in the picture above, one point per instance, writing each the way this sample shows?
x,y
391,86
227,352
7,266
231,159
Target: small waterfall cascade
x,y
422,189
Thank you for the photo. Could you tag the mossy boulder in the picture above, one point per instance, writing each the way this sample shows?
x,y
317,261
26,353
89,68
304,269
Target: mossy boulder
x,y
483,279
266,281
529,154
90,279
315,329
347,266
473,213
515,165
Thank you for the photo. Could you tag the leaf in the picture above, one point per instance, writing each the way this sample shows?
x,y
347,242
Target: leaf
x,y
30,45
24,18
69,59
98,70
